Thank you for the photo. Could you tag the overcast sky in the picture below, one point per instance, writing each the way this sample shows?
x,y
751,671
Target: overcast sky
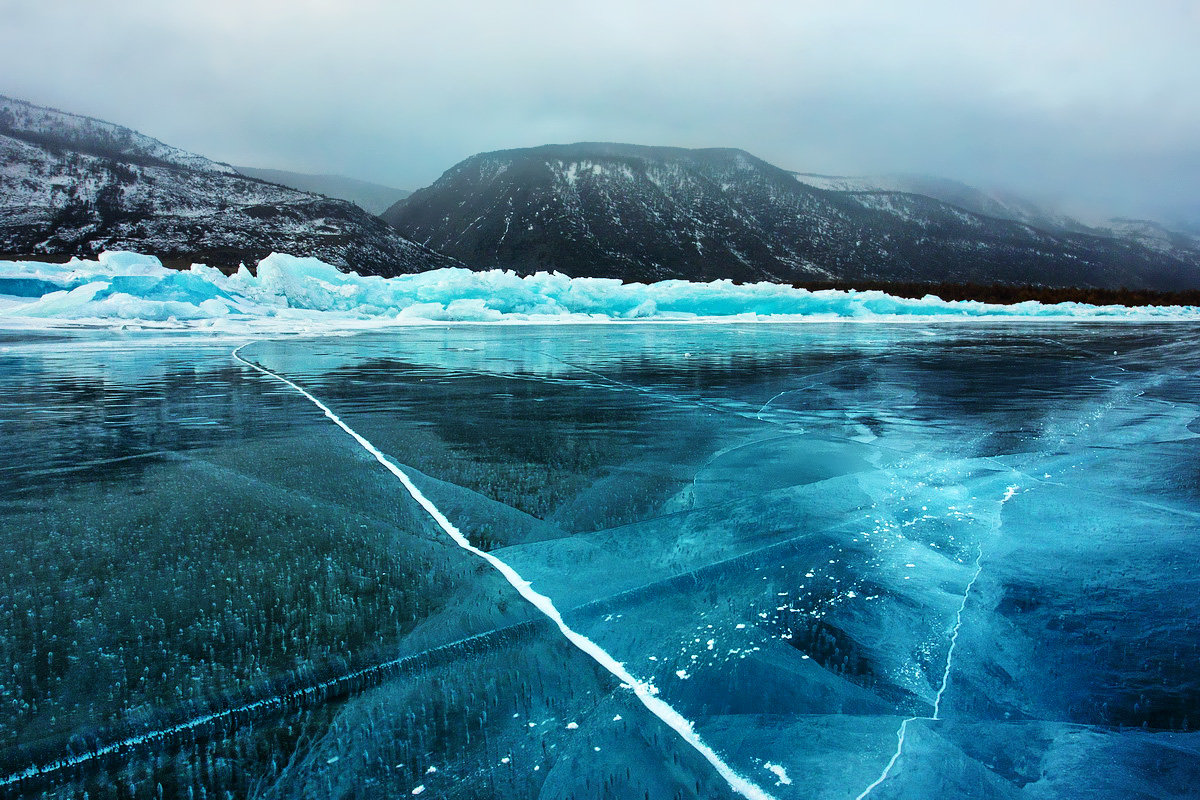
x,y
1094,103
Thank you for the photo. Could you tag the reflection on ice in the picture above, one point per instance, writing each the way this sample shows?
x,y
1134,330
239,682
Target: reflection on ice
x,y
881,561
645,692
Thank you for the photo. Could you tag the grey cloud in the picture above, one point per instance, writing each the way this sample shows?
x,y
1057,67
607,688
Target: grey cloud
x,y
1090,102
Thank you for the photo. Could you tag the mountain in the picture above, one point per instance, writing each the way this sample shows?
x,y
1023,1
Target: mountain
x,y
1154,236
76,185
998,204
1179,240
648,213
374,198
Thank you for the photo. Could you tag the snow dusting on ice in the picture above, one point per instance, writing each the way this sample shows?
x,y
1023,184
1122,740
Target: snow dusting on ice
x,y
780,773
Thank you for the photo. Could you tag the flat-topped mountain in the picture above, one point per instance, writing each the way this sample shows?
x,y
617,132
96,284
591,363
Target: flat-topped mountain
x,y
76,185
647,213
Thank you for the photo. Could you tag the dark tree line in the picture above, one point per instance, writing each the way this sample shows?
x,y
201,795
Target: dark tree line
x,y
1007,294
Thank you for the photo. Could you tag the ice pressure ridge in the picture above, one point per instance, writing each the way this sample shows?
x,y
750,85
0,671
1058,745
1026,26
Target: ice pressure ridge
x,y
121,287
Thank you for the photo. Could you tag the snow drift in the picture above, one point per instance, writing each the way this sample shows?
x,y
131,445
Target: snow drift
x,y
120,288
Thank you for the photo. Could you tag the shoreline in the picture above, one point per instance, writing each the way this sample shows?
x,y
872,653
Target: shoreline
x,y
948,291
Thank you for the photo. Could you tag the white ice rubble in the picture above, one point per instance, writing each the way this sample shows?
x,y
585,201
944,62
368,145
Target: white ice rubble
x,y
120,288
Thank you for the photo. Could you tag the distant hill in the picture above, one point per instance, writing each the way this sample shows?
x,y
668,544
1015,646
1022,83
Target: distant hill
x,y
1001,205
373,198
648,213
1155,236
76,185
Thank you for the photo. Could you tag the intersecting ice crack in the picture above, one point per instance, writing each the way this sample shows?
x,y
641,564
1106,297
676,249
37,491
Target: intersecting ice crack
x,y
801,388
645,692
902,733
698,402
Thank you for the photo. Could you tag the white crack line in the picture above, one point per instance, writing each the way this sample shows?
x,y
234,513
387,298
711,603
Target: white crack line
x,y
643,690
800,389
1009,494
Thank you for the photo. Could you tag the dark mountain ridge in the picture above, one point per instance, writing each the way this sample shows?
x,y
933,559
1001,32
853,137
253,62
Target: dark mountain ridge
x,y
74,185
649,213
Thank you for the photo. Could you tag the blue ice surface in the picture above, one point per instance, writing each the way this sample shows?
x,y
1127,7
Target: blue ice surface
x,y
131,287
810,538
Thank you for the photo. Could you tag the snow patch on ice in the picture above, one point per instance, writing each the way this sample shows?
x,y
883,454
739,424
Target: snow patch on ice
x,y
780,773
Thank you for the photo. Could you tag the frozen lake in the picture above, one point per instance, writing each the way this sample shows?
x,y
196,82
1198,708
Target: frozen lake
x,y
889,560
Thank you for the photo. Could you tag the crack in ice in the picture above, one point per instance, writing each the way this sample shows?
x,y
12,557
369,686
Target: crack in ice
x,y
1009,493
645,692
800,389
937,698
275,701
699,402
900,734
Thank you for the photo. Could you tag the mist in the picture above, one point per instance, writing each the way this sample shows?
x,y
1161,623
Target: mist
x,y
1088,107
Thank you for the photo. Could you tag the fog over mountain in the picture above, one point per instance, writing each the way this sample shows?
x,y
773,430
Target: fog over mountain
x,y
370,197
1086,107
652,213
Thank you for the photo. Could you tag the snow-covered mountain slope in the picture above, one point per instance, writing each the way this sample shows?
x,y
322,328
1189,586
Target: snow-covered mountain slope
x,y
1006,205
643,213
49,126
1154,236
73,185
374,198
999,204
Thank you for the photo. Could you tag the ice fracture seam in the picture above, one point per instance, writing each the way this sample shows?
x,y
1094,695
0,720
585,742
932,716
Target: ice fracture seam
x,y
644,691
1009,493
